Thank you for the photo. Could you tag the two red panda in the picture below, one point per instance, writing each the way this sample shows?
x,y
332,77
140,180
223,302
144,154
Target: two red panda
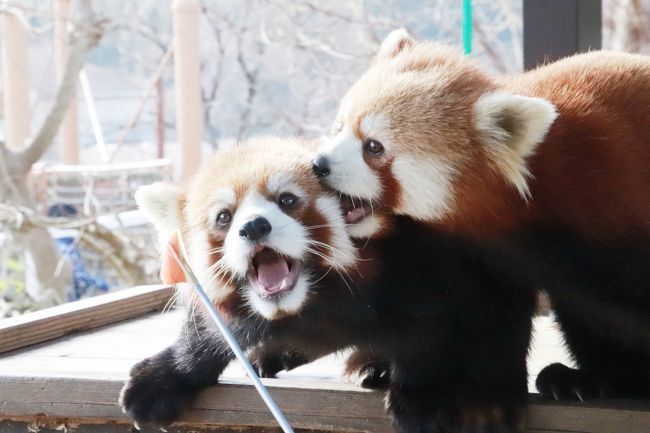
x,y
538,180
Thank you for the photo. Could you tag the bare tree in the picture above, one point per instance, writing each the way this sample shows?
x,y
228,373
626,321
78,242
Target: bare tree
x,y
41,254
626,25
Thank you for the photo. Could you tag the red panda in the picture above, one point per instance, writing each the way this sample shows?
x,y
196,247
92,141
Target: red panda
x,y
268,242
554,161
274,193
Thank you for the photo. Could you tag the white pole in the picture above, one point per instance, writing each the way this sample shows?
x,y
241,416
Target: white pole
x,y
92,114
181,259
15,74
189,118
68,133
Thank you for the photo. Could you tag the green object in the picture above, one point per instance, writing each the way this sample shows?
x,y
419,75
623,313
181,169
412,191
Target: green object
x,y
467,26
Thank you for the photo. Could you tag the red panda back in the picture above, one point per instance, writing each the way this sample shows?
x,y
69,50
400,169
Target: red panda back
x,y
592,172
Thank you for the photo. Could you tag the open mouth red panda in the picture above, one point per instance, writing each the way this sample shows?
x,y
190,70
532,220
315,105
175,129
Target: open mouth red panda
x,y
272,274
257,222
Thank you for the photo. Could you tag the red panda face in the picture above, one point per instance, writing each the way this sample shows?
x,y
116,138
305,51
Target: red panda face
x,y
257,222
420,128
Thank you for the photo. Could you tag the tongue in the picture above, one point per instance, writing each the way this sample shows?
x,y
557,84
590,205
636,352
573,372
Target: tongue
x,y
272,273
355,215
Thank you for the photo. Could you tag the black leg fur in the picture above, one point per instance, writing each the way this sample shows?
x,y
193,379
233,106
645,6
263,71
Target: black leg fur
x,y
367,369
161,388
600,294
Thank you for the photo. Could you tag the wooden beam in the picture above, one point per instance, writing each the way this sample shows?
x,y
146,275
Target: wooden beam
x,y
187,82
310,405
85,314
558,28
15,75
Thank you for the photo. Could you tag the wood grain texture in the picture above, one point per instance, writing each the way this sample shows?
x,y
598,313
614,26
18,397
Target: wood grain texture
x,y
311,405
329,407
90,313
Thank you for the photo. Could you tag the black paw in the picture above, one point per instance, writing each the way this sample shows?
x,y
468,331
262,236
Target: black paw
x,y
374,376
155,393
270,364
559,382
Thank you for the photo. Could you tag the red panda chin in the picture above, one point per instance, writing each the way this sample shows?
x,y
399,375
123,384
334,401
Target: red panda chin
x,y
272,274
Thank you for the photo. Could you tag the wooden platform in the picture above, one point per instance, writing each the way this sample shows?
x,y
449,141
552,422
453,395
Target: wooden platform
x,y
74,381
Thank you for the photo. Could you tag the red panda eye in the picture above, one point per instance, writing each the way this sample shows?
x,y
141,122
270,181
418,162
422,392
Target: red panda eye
x,y
373,147
287,200
223,219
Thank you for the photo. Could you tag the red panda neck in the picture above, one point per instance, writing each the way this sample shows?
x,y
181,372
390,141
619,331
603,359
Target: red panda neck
x,y
485,206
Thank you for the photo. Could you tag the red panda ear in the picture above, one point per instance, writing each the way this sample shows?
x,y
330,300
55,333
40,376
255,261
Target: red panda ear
x,y
511,127
394,43
160,203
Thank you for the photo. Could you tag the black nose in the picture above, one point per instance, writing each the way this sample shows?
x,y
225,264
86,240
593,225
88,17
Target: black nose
x,y
256,229
321,166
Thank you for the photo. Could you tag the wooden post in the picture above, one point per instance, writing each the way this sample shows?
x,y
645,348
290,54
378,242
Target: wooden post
x,y
15,74
189,118
558,28
68,133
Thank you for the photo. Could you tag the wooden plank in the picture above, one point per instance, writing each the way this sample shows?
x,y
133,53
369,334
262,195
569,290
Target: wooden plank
x,y
314,406
81,315
310,405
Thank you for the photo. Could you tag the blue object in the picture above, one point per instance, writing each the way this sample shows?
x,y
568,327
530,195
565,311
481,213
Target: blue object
x,y
84,284
467,26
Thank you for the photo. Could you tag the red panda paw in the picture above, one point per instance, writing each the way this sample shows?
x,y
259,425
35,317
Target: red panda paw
x,y
559,382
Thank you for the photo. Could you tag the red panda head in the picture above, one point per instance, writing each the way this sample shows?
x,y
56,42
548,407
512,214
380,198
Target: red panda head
x,y
423,127
256,222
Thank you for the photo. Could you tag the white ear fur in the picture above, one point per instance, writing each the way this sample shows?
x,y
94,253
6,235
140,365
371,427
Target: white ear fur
x,y
512,126
395,42
160,202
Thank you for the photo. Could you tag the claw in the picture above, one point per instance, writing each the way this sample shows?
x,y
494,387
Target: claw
x,y
578,394
554,392
136,425
124,410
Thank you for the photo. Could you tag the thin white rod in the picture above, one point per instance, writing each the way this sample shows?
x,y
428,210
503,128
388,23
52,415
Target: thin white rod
x,y
92,114
232,342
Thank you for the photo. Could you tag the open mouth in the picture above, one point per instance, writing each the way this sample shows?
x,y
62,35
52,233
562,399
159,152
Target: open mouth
x,y
354,209
272,274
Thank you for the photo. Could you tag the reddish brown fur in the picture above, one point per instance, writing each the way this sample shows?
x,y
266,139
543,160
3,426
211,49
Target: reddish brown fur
x,y
249,168
590,174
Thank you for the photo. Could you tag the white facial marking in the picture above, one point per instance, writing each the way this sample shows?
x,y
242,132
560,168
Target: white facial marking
x,y
282,182
375,126
290,303
224,197
197,249
425,187
367,228
287,237
341,251
349,172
